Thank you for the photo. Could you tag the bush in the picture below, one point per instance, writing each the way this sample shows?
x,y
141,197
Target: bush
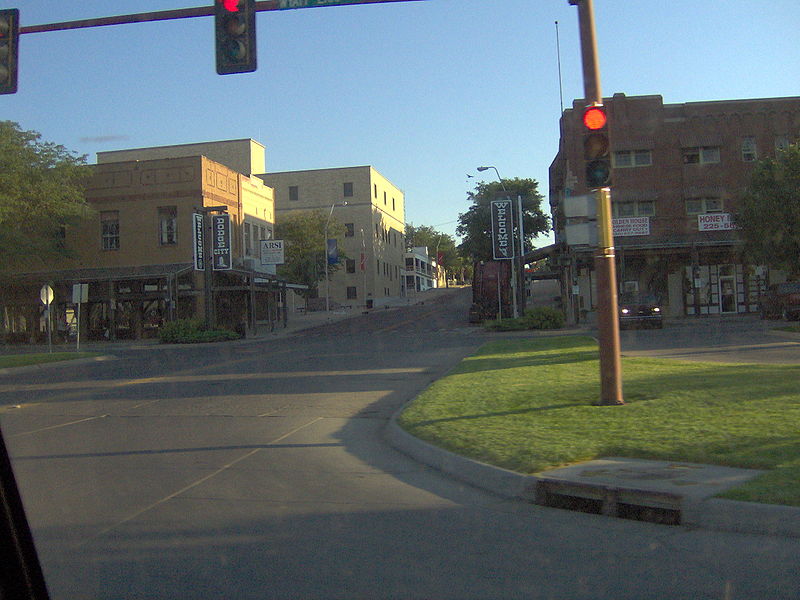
x,y
544,317
541,317
192,331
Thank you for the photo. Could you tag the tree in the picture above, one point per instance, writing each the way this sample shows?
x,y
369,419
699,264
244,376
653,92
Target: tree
x,y
475,226
769,212
41,193
304,237
437,243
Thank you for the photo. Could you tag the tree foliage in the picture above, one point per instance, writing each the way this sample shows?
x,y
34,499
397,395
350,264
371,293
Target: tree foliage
x,y
475,226
305,248
769,212
41,193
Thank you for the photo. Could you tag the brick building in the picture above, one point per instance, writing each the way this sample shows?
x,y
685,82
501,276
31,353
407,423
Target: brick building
x,y
678,170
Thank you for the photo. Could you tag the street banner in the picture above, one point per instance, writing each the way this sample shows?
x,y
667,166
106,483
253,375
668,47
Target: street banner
x,y
333,252
199,244
221,246
502,229
272,252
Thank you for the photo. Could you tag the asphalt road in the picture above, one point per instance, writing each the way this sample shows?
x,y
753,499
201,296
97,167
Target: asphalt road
x,y
259,470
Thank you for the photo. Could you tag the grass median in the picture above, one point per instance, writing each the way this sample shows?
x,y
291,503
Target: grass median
x,y
529,405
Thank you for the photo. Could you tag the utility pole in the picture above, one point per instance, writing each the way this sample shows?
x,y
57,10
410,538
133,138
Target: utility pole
x,y
605,257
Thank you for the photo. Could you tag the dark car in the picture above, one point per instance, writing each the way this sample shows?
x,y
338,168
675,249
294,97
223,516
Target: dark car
x,y
640,310
782,301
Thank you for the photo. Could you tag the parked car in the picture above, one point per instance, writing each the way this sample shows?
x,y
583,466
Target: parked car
x,y
640,310
782,301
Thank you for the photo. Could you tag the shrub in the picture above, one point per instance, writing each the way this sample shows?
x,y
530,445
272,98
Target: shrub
x,y
544,317
192,331
541,317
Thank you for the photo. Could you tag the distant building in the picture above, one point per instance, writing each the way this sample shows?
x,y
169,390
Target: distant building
x,y
420,271
374,221
678,170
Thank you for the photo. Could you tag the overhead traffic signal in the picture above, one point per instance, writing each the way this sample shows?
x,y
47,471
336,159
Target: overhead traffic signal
x,y
9,40
235,32
596,147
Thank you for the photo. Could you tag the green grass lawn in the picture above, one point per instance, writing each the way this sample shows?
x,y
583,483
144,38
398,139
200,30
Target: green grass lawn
x,y
529,405
21,360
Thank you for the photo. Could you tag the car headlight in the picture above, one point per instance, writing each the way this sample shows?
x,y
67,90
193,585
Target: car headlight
x,y
656,309
625,311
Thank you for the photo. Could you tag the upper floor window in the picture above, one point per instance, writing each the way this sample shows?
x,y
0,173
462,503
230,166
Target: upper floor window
x,y
781,142
749,153
294,193
248,239
348,189
633,158
167,225
349,230
699,206
701,155
109,230
641,208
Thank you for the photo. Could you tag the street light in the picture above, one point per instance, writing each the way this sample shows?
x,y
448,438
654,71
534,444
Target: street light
x,y
325,241
500,179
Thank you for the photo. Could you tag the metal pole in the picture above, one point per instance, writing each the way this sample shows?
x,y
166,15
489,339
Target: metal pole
x,y
604,259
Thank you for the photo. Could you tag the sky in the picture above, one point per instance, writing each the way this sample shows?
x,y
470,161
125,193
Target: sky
x,y
424,91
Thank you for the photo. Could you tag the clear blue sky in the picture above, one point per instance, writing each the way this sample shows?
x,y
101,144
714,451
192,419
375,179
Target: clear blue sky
x,y
424,91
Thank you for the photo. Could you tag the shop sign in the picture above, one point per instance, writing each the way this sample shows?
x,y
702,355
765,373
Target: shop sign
x,y
715,222
625,226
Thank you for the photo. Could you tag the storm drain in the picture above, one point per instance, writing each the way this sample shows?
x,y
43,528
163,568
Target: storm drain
x,y
624,503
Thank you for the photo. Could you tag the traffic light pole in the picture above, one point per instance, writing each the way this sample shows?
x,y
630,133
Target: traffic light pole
x,y
605,257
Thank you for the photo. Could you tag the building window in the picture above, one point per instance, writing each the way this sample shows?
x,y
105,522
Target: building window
x,y
248,239
109,229
633,158
348,189
642,208
749,153
384,198
394,205
781,143
701,155
699,206
349,230
352,293
351,265
168,225
375,190
294,193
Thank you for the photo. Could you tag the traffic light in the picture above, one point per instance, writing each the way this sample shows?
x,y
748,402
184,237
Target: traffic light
x,y
9,40
596,147
235,31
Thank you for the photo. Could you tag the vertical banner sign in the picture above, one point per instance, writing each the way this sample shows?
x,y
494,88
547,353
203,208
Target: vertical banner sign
x,y
502,229
333,252
221,246
199,242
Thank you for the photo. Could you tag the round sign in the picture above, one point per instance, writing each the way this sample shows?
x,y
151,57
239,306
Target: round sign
x,y
46,294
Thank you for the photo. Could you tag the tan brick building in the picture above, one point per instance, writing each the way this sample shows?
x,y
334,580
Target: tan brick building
x,y
678,170
136,251
374,220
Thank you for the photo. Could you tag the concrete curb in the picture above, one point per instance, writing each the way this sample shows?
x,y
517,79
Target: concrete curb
x,y
715,514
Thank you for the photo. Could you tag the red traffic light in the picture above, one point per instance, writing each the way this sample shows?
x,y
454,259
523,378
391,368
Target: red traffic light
x,y
230,5
594,118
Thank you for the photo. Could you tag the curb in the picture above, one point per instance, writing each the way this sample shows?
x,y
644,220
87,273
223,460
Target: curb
x,y
715,514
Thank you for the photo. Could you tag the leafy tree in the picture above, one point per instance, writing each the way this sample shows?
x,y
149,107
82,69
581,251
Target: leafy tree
x,y
475,226
304,236
41,193
769,212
